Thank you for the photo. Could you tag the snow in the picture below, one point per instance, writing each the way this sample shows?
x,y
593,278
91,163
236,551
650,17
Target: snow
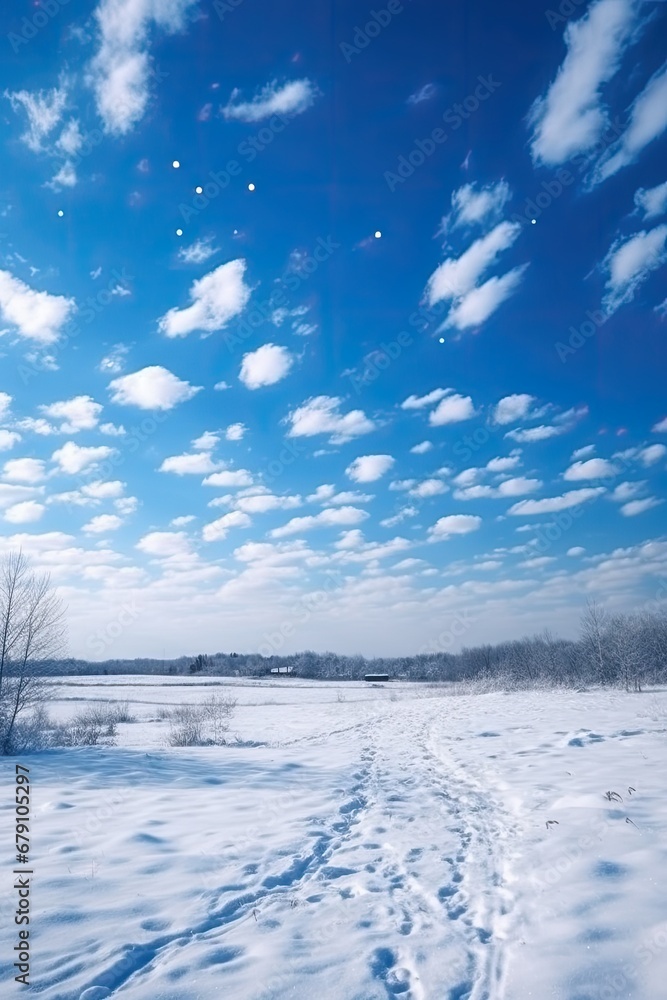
x,y
356,843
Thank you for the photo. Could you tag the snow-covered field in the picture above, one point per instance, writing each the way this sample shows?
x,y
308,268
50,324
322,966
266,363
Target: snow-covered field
x,y
359,843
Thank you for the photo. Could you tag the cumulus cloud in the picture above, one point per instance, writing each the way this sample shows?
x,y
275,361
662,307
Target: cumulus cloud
x,y
289,99
652,201
198,463
648,120
236,432
216,299
454,524
152,388
78,414
422,448
229,478
330,517
8,439
652,454
218,530
428,488
593,468
33,315
550,505
420,402
451,410
24,470
120,71
570,118
476,306
102,523
457,276
369,468
165,544
511,409
265,366
321,415
478,205
635,507
630,262
26,512
206,441
73,459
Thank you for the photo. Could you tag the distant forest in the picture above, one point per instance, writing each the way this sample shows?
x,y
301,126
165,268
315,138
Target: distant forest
x,y
612,650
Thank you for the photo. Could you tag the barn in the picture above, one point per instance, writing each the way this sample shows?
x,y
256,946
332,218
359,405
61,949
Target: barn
x,y
376,677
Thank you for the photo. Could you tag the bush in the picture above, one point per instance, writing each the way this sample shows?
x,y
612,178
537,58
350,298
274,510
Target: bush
x,y
204,724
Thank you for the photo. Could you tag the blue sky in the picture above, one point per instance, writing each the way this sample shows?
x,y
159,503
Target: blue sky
x,y
332,327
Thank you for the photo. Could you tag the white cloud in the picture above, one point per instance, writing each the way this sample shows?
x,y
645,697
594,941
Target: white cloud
x,y
240,477
26,512
454,524
369,468
402,515
5,404
265,366
652,201
424,93
120,71
328,518
471,205
33,315
575,551
78,414
511,409
24,470
515,487
198,252
648,120
550,505
11,494
421,448
262,503
630,262
593,468
8,439
73,459
652,454
199,463
635,507
457,276
428,488
660,427
504,463
216,531
289,99
100,490
216,299
180,522
451,410
152,388
321,415
420,402
569,119
587,449
165,544
44,111
477,305
65,177
236,432
114,361
111,430
206,441
103,523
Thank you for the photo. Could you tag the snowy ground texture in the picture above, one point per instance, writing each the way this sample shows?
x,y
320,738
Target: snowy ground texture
x,y
393,843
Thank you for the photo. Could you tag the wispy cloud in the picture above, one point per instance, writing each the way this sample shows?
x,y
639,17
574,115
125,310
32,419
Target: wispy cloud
x,y
291,98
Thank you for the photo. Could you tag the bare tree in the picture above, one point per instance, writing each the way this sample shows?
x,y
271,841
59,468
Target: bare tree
x,y
31,631
593,625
